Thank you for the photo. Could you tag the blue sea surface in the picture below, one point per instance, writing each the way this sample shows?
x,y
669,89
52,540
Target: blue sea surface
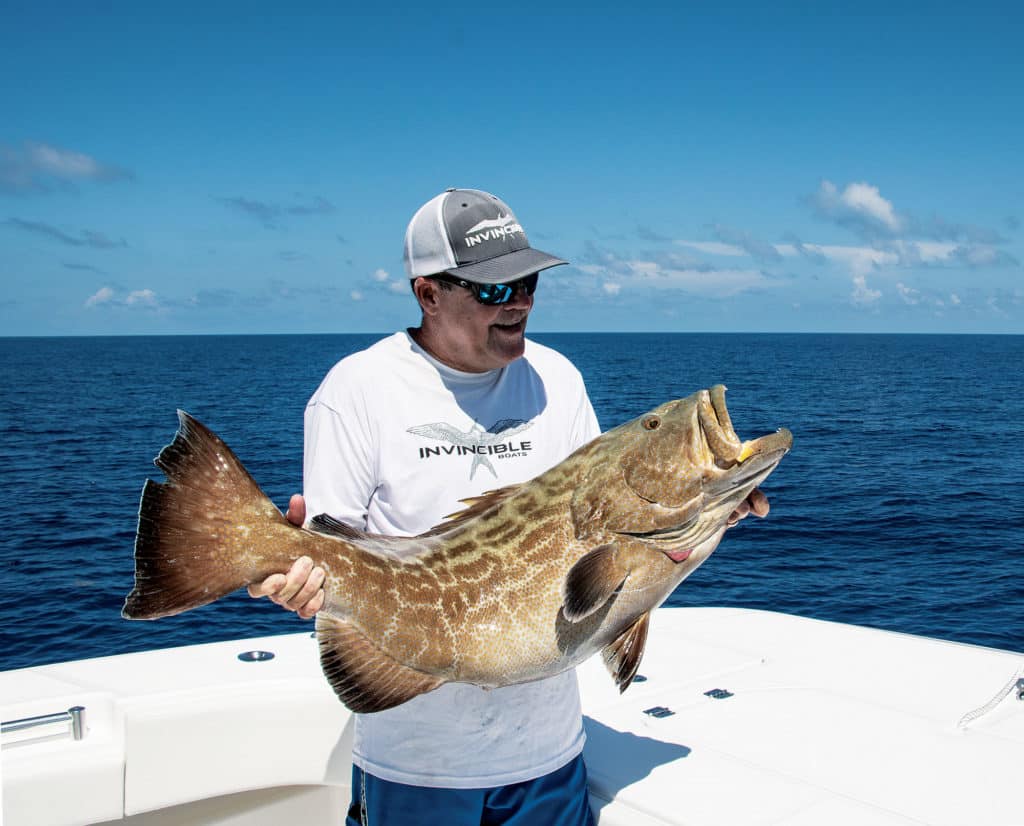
x,y
900,506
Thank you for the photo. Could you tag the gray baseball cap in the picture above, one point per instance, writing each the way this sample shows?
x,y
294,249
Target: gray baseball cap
x,y
473,235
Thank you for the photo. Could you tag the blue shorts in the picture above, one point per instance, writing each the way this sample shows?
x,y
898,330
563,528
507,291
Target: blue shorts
x,y
556,798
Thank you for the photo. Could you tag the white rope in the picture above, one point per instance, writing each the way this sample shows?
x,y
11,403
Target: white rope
x,y
981,711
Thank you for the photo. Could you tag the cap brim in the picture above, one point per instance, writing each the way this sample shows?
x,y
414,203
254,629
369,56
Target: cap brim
x,y
508,267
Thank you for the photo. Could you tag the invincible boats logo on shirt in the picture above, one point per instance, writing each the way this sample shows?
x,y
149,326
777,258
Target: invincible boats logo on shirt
x,y
492,229
481,444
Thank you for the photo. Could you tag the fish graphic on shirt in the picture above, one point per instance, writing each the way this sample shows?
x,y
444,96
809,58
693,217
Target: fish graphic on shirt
x,y
476,436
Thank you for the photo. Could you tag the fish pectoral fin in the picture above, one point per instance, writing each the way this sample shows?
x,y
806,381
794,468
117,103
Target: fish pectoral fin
x,y
591,582
622,657
365,678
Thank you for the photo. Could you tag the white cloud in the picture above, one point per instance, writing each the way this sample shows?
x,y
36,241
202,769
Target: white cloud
x,y
865,199
635,274
63,163
858,260
142,297
380,275
862,294
107,296
39,167
908,294
859,206
104,295
356,295
714,248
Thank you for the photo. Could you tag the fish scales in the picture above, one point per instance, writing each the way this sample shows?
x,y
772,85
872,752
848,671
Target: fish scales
x,y
524,583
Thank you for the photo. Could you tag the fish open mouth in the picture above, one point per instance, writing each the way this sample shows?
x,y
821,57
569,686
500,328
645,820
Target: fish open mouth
x,y
728,449
744,465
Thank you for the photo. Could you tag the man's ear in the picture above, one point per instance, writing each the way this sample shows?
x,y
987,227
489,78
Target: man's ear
x,y
427,292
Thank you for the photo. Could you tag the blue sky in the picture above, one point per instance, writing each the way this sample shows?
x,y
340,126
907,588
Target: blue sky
x,y
236,168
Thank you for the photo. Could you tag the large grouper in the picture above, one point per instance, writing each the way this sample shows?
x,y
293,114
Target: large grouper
x,y
526,582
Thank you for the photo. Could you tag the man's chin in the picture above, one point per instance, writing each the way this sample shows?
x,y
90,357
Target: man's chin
x,y
509,339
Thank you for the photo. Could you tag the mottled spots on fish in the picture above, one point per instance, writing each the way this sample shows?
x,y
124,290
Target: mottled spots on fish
x,y
452,603
476,569
501,532
465,548
471,592
527,507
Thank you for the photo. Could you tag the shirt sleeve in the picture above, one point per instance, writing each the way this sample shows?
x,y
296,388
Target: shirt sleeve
x,y
585,425
338,466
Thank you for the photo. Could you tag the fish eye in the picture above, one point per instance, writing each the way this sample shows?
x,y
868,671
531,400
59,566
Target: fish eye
x,y
652,423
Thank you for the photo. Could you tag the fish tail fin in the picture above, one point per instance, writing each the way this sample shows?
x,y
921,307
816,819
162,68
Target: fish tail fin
x,y
205,532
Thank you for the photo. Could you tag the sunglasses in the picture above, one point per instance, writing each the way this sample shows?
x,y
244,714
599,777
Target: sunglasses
x,y
493,294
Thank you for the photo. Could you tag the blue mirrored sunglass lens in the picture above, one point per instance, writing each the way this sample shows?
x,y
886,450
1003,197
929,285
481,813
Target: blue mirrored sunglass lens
x,y
502,293
495,293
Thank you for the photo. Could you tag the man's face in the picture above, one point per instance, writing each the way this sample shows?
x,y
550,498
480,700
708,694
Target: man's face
x,y
475,337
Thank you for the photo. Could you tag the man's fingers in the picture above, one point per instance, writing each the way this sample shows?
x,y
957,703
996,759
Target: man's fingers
x,y
296,510
758,503
740,513
309,590
308,610
271,585
294,580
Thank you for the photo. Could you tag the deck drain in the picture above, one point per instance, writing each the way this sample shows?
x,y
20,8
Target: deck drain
x,y
659,711
718,694
256,656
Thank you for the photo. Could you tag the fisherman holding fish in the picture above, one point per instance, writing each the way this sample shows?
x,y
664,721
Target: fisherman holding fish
x,y
395,437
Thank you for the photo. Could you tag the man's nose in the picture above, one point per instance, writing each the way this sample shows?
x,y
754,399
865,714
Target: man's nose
x,y
520,298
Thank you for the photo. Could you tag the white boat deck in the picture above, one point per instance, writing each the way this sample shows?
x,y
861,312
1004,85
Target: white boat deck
x,y
826,724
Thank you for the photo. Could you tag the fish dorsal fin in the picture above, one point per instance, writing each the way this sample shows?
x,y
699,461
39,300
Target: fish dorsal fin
x,y
622,657
325,524
374,542
591,582
474,507
365,678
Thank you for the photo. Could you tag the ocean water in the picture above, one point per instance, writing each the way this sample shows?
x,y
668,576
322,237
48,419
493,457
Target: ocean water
x,y
901,505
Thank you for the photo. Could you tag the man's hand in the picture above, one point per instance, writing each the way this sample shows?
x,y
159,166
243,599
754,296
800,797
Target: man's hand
x,y
756,503
301,589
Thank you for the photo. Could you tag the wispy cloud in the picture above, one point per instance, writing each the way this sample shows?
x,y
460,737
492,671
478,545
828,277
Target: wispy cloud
x,y
40,168
754,247
648,234
86,238
666,271
111,297
74,265
270,214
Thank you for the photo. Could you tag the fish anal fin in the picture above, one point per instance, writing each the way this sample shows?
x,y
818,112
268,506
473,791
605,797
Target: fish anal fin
x,y
622,657
365,678
591,582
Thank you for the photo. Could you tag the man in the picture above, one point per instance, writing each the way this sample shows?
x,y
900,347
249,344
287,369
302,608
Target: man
x,y
395,436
